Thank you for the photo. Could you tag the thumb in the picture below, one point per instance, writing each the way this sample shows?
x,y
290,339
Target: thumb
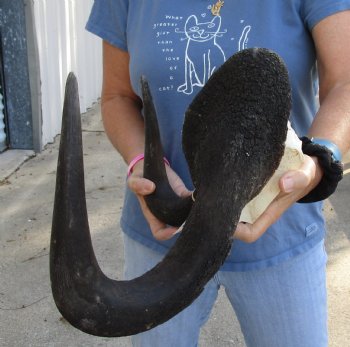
x,y
298,179
141,186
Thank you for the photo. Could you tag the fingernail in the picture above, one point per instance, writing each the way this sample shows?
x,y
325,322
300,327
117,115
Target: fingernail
x,y
288,184
150,187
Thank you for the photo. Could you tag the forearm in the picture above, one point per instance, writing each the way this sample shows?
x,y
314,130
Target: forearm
x,y
121,107
124,125
332,121
333,58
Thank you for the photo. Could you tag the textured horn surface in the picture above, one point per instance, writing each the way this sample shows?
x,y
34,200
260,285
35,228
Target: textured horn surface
x,y
164,203
233,140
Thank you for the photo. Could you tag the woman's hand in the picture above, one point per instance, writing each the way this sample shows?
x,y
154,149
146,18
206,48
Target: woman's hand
x,y
331,122
293,186
142,186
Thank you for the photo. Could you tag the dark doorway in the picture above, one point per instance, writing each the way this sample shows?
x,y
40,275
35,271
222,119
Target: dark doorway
x,y
3,112
15,75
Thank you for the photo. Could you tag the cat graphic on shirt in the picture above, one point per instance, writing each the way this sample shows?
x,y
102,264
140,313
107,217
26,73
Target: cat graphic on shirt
x,y
201,42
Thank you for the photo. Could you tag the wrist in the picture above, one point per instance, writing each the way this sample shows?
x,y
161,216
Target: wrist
x,y
329,169
133,162
140,157
318,173
331,146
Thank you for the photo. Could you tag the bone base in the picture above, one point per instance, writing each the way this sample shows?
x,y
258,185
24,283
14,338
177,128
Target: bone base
x,y
292,159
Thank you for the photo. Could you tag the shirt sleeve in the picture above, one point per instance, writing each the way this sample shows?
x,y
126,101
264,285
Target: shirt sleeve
x,y
314,11
108,20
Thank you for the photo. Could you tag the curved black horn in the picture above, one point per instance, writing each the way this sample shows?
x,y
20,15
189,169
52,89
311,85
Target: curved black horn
x,y
233,139
164,203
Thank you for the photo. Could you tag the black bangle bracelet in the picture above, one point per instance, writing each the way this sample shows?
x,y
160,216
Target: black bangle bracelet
x,y
332,171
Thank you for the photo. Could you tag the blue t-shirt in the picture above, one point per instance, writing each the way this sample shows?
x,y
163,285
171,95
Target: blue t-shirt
x,y
177,45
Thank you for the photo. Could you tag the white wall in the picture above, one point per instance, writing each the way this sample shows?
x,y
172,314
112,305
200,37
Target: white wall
x,y
65,46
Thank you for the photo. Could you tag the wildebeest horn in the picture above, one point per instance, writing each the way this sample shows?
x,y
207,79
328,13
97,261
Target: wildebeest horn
x,y
164,203
233,140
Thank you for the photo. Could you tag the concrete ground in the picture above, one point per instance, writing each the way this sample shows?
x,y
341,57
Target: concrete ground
x,y
28,316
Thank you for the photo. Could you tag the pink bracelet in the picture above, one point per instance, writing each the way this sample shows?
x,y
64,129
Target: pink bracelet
x,y
134,162
137,159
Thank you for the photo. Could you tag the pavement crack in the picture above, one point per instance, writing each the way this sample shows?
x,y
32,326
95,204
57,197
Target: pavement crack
x,y
34,257
23,306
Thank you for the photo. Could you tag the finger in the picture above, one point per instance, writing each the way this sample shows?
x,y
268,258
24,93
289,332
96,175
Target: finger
x,y
141,186
160,230
163,233
249,233
299,179
293,180
293,185
177,184
245,232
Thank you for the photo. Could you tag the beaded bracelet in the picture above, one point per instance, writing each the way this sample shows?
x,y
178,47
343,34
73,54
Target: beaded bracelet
x,y
329,159
137,159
